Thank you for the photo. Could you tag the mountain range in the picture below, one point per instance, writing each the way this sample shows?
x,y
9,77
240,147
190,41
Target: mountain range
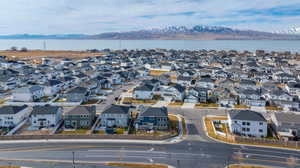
x,y
198,32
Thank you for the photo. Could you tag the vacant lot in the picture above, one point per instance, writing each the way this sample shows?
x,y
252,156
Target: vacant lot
x,y
36,55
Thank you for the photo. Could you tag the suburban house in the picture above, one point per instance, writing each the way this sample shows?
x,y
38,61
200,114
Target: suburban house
x,y
115,116
205,82
286,125
247,123
143,92
250,97
10,116
198,94
153,118
173,93
80,117
28,94
46,116
52,87
78,94
184,80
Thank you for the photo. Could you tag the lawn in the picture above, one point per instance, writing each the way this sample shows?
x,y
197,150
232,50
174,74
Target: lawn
x,y
246,166
136,165
72,132
273,108
2,101
207,105
239,106
131,100
175,104
157,73
93,101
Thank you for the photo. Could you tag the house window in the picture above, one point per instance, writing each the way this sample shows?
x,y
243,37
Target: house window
x,y
243,129
261,123
260,130
235,122
244,123
248,123
248,129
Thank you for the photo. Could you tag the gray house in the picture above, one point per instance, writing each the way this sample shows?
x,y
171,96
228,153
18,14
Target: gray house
x,y
46,116
78,94
80,117
115,116
153,118
286,125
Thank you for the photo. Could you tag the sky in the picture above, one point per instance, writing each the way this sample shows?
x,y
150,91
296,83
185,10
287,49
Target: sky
x,y
99,16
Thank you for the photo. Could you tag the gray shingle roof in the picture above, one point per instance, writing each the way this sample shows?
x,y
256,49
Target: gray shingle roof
x,y
246,115
79,110
145,87
45,109
287,117
116,109
11,109
155,111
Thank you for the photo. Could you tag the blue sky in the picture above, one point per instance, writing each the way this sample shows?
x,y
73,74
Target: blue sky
x,y
98,16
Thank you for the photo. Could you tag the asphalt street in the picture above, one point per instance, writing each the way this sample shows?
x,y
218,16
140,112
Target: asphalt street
x,y
196,151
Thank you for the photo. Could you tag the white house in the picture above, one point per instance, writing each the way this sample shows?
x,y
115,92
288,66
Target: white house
x,y
143,92
46,116
28,94
247,123
10,116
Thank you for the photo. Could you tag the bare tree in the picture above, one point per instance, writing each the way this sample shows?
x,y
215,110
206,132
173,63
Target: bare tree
x,y
13,48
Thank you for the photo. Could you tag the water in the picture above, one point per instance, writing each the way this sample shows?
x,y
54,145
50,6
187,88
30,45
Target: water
x,y
240,45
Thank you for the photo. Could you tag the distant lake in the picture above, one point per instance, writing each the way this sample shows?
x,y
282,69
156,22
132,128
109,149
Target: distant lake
x,y
241,45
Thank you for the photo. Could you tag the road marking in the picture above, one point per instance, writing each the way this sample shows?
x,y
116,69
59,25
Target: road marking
x,y
268,151
253,154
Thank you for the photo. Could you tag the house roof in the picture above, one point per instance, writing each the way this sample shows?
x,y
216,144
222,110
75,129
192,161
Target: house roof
x,y
79,110
11,109
287,117
155,111
29,89
145,87
45,109
246,115
82,90
116,109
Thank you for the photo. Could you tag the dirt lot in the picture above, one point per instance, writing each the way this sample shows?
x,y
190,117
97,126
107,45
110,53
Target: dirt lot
x,y
38,54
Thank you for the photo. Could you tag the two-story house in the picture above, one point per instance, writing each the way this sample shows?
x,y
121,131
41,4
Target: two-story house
x,y
46,116
115,116
247,123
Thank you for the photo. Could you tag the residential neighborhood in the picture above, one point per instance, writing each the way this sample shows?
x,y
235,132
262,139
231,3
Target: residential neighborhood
x,y
137,91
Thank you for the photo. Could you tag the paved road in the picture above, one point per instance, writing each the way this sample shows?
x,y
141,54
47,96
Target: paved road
x,y
196,151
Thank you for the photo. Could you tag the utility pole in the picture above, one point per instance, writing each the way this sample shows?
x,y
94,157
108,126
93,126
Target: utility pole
x,y
73,153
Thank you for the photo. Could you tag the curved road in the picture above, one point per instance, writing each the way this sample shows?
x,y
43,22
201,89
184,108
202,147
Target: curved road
x,y
196,151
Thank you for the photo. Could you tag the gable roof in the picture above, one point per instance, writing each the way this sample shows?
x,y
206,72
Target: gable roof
x,y
144,87
155,111
287,117
45,109
116,109
11,109
82,90
246,115
79,110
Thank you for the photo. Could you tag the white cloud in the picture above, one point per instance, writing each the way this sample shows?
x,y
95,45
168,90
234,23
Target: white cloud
x,y
97,16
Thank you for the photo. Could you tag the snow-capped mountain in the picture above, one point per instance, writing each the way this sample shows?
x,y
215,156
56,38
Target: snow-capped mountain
x,y
198,32
293,30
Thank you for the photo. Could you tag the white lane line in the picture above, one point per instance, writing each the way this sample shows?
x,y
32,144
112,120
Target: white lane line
x,y
253,154
267,151
114,156
126,151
